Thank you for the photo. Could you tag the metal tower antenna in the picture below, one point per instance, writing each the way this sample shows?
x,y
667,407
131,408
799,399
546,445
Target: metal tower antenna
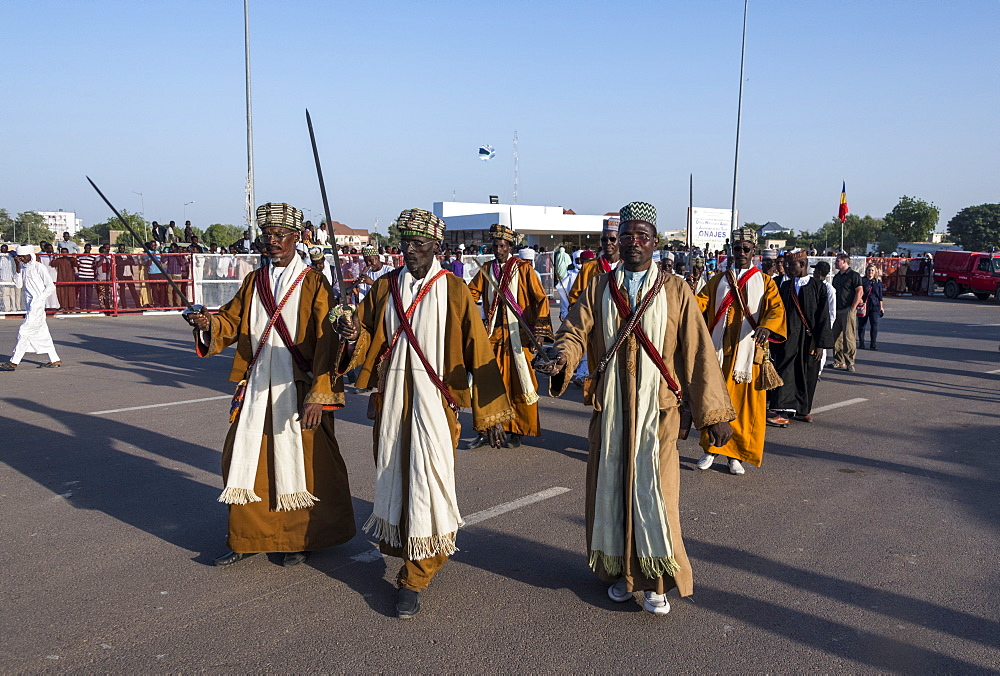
x,y
515,166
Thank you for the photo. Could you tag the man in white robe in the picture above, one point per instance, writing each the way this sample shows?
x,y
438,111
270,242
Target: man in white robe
x,y
33,335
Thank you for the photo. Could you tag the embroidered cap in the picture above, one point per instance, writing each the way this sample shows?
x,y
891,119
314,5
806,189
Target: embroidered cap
x,y
279,215
420,223
797,255
369,251
642,212
316,254
744,234
499,231
611,224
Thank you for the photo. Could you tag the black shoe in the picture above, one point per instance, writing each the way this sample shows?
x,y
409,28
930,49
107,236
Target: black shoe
x,y
407,603
861,346
478,442
230,558
294,558
874,347
513,441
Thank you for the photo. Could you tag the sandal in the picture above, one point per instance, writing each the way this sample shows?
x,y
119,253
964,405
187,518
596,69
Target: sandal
x,y
50,365
7,366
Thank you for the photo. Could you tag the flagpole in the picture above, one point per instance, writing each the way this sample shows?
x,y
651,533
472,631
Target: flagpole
x,y
250,203
690,209
739,118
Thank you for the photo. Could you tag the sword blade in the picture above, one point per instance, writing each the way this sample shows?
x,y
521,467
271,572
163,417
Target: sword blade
x,y
326,210
145,248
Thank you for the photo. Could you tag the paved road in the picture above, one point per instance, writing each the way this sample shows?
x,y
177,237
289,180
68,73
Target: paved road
x,y
867,542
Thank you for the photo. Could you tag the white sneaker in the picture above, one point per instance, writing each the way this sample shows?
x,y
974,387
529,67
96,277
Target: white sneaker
x,y
735,467
655,603
706,461
618,592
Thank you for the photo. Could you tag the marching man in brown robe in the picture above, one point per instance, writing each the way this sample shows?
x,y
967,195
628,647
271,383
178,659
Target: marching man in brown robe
x,y
521,294
744,312
418,337
648,347
286,482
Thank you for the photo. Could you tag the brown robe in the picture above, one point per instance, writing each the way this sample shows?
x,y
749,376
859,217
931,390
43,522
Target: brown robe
x,y
690,357
749,399
588,270
256,527
467,351
532,299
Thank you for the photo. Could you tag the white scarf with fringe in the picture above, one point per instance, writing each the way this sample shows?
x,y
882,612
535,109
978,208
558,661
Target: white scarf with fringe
x,y
528,393
651,532
745,347
272,380
432,515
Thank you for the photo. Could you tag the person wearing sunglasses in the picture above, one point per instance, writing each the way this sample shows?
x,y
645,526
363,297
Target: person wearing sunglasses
x,y
649,348
603,264
744,313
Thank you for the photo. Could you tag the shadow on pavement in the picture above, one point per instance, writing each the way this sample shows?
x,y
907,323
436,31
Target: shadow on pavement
x,y
834,637
138,491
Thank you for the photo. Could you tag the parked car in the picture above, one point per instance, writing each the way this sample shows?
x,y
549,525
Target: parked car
x,y
973,272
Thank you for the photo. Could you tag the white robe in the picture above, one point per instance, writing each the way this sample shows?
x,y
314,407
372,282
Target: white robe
x,y
34,336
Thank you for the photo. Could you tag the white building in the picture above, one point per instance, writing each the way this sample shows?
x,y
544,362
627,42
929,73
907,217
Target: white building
x,y
61,221
547,227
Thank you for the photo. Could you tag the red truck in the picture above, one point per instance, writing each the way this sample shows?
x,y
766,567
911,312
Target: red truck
x,y
967,272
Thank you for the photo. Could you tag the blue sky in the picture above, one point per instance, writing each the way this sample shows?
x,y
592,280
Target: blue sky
x,y
612,102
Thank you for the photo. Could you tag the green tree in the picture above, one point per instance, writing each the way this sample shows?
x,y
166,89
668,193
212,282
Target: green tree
x,y
27,228
977,228
912,219
100,233
393,238
222,234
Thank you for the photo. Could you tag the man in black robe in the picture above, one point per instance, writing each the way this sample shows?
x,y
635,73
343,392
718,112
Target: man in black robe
x,y
808,333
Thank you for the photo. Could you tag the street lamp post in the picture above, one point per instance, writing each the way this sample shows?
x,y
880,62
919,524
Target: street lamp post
x,y
142,210
184,210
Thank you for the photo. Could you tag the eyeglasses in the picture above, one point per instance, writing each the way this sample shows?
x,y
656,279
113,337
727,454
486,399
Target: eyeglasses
x,y
638,238
264,236
609,239
746,249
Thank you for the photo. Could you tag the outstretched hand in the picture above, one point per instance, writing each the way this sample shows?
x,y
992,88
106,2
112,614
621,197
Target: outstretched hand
x,y
554,365
348,327
201,320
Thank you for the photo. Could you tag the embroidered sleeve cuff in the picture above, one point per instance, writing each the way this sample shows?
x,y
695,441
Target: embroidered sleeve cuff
x,y
485,423
325,398
718,415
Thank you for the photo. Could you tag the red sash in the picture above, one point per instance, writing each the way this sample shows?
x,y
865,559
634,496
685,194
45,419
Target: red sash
x,y
506,273
406,327
631,324
728,300
266,294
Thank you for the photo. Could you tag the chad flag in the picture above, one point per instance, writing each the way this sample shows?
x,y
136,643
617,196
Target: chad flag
x,y
842,214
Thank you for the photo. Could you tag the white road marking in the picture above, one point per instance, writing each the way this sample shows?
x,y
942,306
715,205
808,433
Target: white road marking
x,y
374,554
841,404
980,325
994,371
169,403
479,517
